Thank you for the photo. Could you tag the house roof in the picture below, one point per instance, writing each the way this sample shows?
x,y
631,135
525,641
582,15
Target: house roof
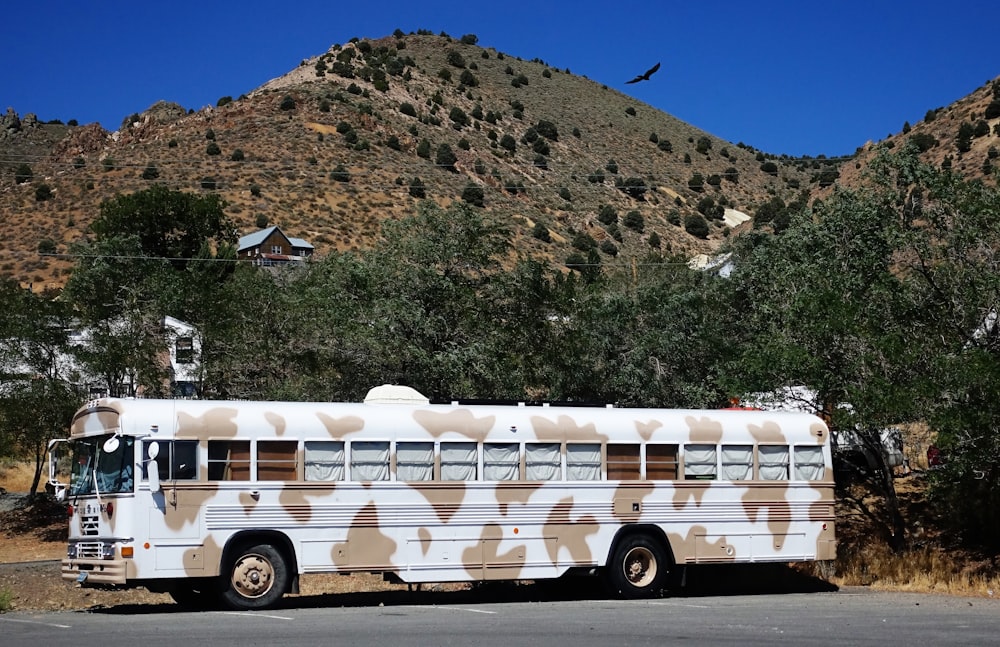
x,y
258,237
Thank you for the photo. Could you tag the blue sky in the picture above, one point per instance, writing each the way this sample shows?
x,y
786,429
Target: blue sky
x,y
802,78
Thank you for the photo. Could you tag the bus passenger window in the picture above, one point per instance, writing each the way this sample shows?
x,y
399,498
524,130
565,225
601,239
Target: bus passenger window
x,y
583,462
459,461
809,464
229,460
324,460
700,462
737,462
501,461
661,462
773,462
414,461
542,462
277,460
177,460
623,462
370,461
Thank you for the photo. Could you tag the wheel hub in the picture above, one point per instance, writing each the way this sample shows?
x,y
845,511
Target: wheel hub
x,y
253,576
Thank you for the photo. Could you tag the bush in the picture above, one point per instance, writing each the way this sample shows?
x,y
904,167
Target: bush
x,y
23,174
260,221
508,143
340,174
208,182
565,194
468,79
150,172
770,168
417,189
469,39
238,155
635,187
704,145
43,192
541,232
424,149
665,146
408,109
458,117
548,130
473,194
212,149
731,174
609,247
455,58
654,240
210,135
255,190
611,167
607,215
696,225
630,111
287,103
445,157
634,221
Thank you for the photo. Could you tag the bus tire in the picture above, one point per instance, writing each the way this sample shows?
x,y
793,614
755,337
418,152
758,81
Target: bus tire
x,y
638,568
256,578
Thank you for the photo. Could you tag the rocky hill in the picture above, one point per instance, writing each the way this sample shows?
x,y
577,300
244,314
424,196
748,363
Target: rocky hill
x,y
364,131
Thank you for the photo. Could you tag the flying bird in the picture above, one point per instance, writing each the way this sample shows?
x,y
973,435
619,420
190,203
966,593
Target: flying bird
x,y
645,76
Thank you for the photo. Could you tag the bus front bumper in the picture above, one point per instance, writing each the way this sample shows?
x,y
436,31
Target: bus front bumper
x,y
96,572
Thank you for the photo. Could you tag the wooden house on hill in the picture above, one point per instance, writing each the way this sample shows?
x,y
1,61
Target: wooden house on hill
x,y
272,247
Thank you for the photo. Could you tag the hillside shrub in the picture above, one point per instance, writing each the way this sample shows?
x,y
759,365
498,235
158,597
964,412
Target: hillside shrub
x,y
607,214
445,157
212,149
696,225
468,79
407,109
43,192
541,232
547,129
458,118
150,172
770,168
565,194
609,247
424,149
665,146
634,221
23,174
508,143
455,58
417,189
287,103
238,155
209,183
340,174
474,194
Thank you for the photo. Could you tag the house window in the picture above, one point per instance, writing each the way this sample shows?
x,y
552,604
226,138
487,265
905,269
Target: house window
x,y
275,249
184,350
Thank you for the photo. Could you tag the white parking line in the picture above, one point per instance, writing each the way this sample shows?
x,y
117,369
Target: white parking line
x,y
256,615
414,606
36,622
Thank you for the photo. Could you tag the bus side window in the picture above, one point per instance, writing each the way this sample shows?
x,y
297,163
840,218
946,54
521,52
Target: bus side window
x,y
459,461
177,460
324,460
370,460
773,462
623,462
661,462
583,462
809,464
414,461
737,462
501,461
229,460
700,462
277,460
542,462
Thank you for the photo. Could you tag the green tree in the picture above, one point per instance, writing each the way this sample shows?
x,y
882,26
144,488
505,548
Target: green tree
x,y
445,157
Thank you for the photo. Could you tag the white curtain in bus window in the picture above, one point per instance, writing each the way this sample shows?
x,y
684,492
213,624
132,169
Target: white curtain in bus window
x,y
458,461
773,462
501,461
809,464
542,462
414,461
700,462
229,460
277,460
370,461
737,462
324,460
583,462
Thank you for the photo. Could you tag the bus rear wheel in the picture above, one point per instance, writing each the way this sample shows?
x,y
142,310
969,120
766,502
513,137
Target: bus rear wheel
x,y
638,567
257,578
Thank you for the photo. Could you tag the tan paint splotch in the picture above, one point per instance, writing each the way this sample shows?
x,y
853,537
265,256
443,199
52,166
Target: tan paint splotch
x,y
512,493
445,497
276,421
248,502
218,422
484,560
563,428
460,421
685,491
295,503
774,501
341,427
704,430
820,431
106,413
366,545
571,533
769,432
185,503
646,429
424,535
699,545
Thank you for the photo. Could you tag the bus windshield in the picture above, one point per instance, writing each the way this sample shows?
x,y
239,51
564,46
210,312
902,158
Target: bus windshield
x,y
108,467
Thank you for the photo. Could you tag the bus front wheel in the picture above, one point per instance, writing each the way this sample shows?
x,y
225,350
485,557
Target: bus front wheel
x,y
257,578
638,567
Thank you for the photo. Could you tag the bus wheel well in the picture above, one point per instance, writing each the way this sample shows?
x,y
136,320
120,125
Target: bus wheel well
x,y
247,538
653,532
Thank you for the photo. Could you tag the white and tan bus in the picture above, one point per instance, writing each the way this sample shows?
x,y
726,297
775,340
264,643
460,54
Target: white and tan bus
x,y
232,501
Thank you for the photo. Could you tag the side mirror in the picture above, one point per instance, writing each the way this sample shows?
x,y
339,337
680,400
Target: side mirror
x,y
153,475
152,469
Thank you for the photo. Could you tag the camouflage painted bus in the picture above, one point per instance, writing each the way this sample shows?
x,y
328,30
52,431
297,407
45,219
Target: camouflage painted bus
x,y
231,502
